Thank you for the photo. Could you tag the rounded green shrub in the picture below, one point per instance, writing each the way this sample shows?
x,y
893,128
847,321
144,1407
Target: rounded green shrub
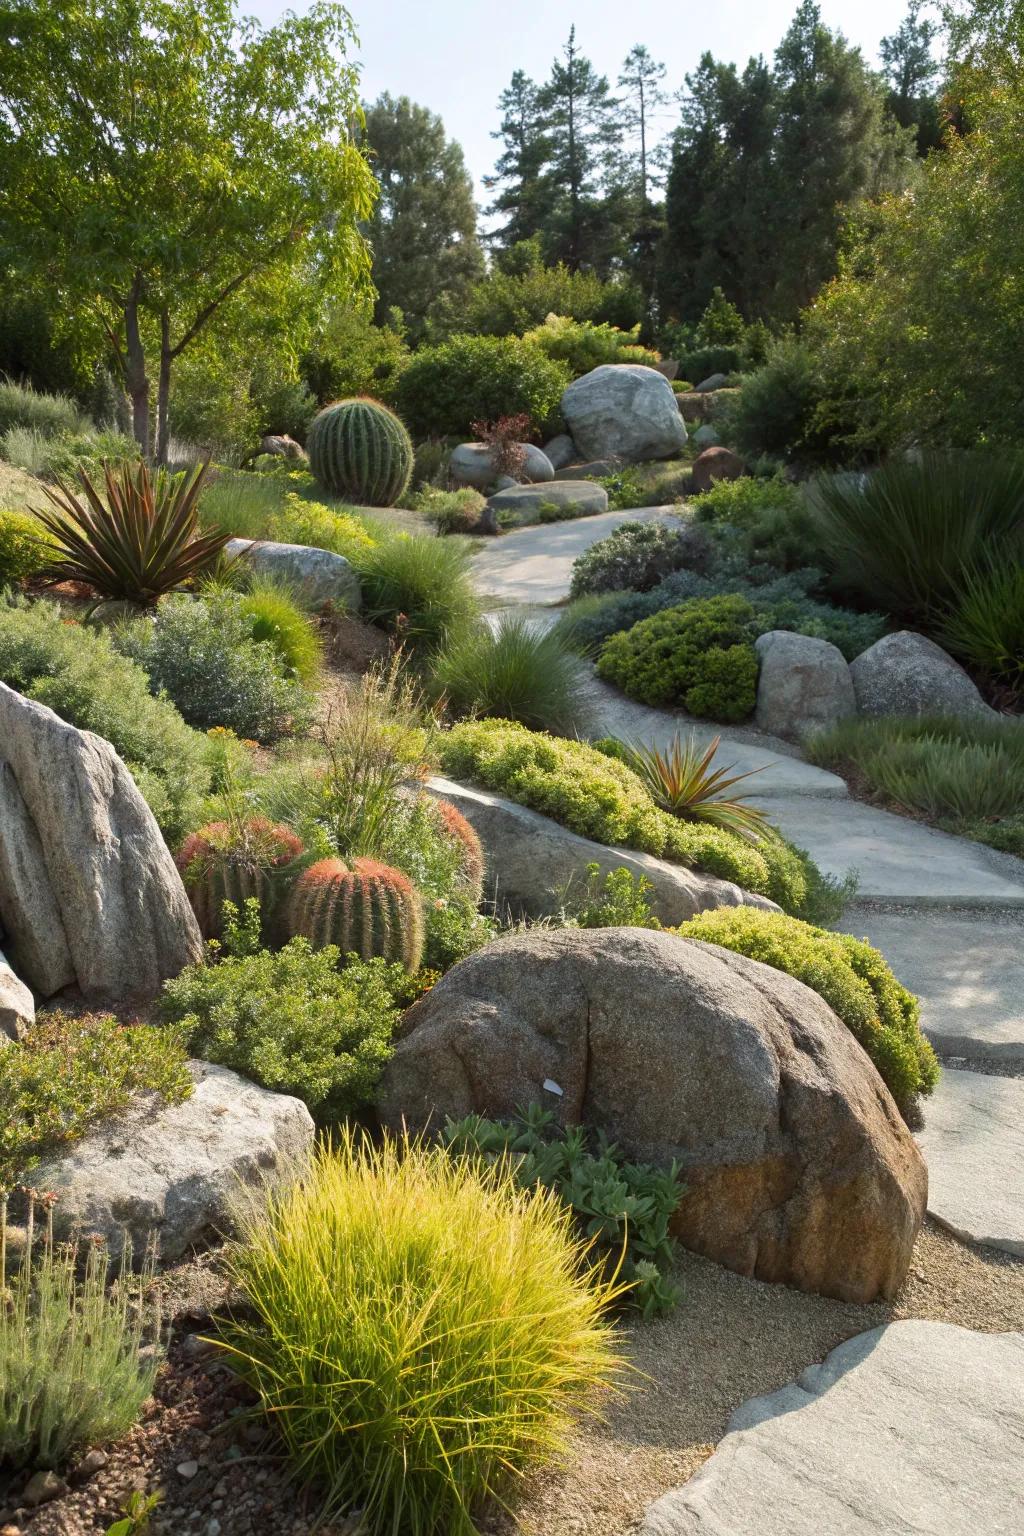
x,y
849,974
700,655
360,450
638,556
479,378
455,1335
25,547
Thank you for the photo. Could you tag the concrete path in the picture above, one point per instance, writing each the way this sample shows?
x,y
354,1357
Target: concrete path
x,y
966,967
916,1427
897,859
973,1143
534,565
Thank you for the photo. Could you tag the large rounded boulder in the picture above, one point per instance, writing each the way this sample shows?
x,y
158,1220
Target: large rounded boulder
x,y
797,1164
907,674
625,410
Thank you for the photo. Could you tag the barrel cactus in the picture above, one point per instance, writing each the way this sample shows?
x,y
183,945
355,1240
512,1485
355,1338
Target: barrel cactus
x,y
458,831
369,909
360,450
234,861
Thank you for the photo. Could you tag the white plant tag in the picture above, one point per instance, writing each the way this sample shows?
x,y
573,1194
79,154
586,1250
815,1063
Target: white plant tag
x,y
550,1087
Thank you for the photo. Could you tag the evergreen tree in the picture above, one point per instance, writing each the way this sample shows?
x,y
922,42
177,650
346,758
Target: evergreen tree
x,y
642,100
912,71
580,123
426,256
519,172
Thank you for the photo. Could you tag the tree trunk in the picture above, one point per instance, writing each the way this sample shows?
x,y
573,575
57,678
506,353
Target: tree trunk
x,y
135,376
163,388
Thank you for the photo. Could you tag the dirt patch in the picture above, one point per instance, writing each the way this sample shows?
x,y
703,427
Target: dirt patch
x,y
728,1340
352,647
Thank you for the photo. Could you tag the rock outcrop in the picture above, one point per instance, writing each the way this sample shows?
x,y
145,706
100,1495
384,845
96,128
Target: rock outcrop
x,y
623,410
798,1167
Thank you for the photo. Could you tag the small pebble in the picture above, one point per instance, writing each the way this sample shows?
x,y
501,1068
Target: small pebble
x,y
90,1464
187,1469
213,1528
42,1487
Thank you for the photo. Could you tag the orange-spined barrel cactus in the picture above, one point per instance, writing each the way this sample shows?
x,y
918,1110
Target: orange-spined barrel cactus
x,y
226,861
471,854
367,909
360,450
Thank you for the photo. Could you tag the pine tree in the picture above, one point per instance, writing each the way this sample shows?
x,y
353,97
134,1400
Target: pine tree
x,y
912,70
426,255
519,172
642,160
578,110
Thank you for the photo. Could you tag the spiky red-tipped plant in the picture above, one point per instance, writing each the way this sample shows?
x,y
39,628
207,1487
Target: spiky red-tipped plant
x,y
471,854
368,910
234,861
138,540
682,780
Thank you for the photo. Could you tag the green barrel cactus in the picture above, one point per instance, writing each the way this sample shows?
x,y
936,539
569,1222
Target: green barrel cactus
x,y
360,450
369,909
234,862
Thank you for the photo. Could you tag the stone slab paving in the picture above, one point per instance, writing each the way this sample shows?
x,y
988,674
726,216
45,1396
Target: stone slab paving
x,y
966,967
973,1143
609,713
534,565
915,1428
897,859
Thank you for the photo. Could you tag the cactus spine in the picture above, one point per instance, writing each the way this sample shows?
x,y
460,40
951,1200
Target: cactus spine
x,y
234,862
369,909
360,450
471,854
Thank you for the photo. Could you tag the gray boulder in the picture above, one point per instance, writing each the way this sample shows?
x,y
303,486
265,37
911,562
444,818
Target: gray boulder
x,y
176,1171
116,908
911,1427
570,498
706,437
560,451
280,445
318,575
623,410
803,685
472,464
531,860
17,1005
908,674
797,1165
713,381
29,912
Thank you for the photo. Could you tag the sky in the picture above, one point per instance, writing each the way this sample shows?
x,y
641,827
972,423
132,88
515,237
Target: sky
x,y
456,56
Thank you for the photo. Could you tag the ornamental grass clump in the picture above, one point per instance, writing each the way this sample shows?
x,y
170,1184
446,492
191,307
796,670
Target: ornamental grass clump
x,y
512,670
421,1332
852,977
71,1375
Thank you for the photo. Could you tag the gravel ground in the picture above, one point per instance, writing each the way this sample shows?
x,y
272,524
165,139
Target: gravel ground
x,y
729,1339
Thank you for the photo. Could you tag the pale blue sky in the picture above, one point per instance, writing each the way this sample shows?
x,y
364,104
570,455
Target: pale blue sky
x,y
456,56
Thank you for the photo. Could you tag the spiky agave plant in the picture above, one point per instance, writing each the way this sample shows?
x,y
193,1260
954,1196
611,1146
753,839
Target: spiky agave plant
x,y
369,909
235,860
681,780
136,541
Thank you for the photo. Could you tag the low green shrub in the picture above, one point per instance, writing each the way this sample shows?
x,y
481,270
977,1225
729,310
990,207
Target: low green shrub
x,y
584,345
446,388
77,672
49,415
615,900
201,653
511,670
597,797
700,655
319,527
638,556
967,776
849,974
782,410
450,511
25,547
70,1072
418,588
623,1208
454,1338
290,1019
71,1372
